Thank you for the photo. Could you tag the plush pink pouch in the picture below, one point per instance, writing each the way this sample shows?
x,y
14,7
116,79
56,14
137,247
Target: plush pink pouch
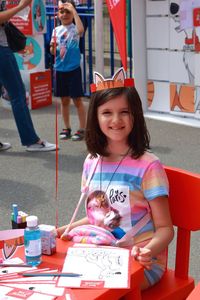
x,y
91,234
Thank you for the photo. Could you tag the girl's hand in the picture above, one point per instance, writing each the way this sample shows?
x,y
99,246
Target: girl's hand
x,y
53,46
69,7
143,255
60,231
64,236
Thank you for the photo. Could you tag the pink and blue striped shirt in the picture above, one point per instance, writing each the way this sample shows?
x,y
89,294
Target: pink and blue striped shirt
x,y
135,183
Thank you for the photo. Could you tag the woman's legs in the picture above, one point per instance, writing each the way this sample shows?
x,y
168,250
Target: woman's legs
x,y
10,78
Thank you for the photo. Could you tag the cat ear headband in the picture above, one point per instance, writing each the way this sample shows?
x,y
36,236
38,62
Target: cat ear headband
x,y
118,80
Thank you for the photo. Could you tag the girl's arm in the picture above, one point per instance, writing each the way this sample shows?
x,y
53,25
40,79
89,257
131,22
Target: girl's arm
x,y
163,235
9,13
78,22
52,51
53,42
61,230
53,48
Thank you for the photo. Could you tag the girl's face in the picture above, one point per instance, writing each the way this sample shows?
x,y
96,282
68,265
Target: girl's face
x,y
65,15
115,119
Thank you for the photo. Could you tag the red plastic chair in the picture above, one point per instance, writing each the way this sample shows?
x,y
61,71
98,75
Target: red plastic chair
x,y
195,295
184,202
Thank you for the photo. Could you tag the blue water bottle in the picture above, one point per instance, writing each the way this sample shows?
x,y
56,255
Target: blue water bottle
x,y
32,241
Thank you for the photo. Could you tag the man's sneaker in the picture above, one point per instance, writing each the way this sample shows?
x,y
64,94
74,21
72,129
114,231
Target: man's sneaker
x,y
42,147
4,146
65,134
79,135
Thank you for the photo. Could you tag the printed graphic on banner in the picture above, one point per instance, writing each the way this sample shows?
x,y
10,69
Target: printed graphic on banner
x,y
182,98
11,243
31,56
22,20
113,3
32,19
173,65
196,17
39,18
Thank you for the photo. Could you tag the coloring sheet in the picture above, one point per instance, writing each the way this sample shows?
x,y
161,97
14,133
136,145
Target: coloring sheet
x,y
98,267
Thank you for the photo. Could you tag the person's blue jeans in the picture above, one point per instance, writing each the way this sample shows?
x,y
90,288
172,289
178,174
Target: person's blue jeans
x,y
10,78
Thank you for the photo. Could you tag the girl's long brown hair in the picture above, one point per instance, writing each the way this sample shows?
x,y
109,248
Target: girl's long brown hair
x,y
138,139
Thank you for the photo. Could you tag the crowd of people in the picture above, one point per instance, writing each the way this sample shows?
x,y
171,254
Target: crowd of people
x,y
68,81
124,183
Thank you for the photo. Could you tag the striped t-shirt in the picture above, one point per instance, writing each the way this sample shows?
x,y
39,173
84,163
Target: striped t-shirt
x,y
129,191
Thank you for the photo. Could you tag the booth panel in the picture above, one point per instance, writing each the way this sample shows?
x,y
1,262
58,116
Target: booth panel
x,y
158,65
157,7
157,32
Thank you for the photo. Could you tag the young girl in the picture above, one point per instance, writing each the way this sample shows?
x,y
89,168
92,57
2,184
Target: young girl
x,y
68,78
131,177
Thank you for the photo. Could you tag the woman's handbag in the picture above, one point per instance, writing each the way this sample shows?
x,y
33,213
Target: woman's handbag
x,y
16,39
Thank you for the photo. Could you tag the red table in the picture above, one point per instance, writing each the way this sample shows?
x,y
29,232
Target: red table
x,y
136,272
195,295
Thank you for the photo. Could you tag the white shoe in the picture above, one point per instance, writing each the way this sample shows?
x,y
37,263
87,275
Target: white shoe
x,y
43,147
4,146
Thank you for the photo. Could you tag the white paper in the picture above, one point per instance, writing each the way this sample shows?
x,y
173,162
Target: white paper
x,y
9,293
100,267
49,289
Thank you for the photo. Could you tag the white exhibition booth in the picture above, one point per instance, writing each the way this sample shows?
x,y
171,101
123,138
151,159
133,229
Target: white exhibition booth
x,y
166,58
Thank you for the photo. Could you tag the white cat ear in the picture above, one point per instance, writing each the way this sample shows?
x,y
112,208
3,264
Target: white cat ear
x,y
98,78
120,75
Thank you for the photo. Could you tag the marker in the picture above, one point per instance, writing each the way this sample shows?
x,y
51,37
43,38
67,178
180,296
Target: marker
x,y
23,215
19,219
12,216
4,264
15,211
51,274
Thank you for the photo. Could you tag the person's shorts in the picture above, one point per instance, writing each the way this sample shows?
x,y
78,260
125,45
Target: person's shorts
x,y
68,84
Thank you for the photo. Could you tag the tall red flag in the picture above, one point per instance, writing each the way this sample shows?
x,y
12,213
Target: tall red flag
x,y
117,11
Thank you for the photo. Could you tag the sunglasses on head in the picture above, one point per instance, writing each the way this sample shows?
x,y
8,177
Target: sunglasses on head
x,y
62,11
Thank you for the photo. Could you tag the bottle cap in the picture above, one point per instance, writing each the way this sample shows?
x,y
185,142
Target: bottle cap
x,y
32,221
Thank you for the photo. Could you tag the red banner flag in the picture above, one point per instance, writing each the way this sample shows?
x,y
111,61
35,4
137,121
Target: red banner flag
x,y
117,11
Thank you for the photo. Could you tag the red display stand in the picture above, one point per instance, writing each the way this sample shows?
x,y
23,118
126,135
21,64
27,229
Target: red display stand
x,y
40,89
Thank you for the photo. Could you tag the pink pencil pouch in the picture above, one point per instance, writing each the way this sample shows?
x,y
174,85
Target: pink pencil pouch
x,y
91,234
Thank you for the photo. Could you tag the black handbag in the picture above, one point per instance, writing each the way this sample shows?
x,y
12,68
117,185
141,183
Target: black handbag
x,y
15,38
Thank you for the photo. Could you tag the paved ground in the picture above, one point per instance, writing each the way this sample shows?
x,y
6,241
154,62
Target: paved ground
x,y
28,179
